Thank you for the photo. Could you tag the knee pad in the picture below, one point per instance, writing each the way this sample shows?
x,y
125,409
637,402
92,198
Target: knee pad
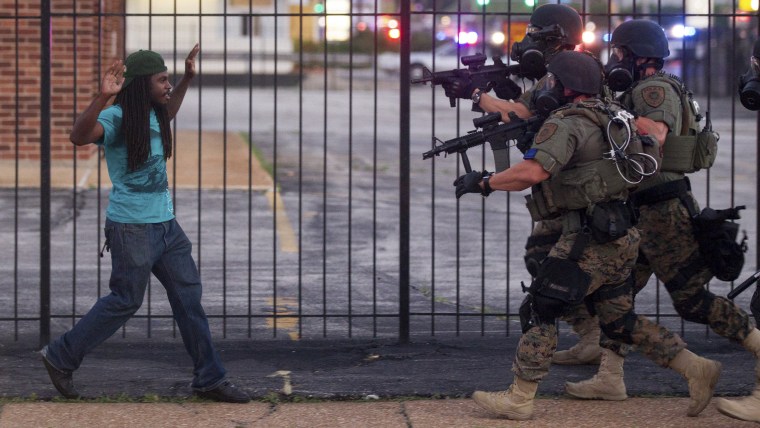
x,y
622,328
562,280
533,261
539,310
537,249
696,308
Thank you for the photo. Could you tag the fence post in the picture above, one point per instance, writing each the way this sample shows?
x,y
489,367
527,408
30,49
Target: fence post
x,y
404,171
45,42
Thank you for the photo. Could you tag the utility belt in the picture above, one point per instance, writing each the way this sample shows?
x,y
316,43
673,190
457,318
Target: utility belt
x,y
664,192
604,222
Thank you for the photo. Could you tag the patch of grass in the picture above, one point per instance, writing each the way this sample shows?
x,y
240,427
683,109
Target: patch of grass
x,y
258,154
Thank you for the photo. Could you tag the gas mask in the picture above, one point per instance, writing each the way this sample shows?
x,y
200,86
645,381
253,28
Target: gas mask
x,y
529,52
749,86
620,73
549,95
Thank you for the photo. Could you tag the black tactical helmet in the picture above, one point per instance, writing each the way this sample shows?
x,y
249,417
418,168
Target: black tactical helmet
x,y
564,16
644,38
577,71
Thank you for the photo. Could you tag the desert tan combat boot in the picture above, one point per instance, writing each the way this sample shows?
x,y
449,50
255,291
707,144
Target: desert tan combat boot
x,y
607,384
746,408
516,403
702,375
587,350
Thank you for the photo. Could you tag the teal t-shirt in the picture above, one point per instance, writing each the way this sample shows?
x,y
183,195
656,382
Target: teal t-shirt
x,y
142,195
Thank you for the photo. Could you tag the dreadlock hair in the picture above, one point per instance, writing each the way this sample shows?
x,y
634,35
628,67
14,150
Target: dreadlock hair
x,y
136,105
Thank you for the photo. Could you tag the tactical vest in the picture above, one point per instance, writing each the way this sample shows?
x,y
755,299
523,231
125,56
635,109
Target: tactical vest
x,y
688,149
599,180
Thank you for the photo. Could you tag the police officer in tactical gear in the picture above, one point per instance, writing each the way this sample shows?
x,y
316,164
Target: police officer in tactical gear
x,y
638,46
749,82
668,245
597,249
553,28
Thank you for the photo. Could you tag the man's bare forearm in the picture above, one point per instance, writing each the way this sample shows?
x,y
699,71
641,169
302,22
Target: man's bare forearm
x,y
82,133
491,104
178,95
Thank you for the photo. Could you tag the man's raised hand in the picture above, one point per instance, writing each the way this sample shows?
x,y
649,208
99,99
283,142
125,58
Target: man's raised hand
x,y
113,79
190,61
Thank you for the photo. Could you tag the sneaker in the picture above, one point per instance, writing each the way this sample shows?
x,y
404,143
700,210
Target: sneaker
x,y
62,380
226,392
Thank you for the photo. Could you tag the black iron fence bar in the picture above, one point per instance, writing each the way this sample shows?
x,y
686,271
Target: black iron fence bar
x,y
350,167
149,290
300,174
17,108
174,125
374,181
324,185
45,41
74,189
250,180
101,154
274,176
404,171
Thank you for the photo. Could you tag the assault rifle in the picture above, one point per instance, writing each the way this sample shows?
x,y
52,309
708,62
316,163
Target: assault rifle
x,y
485,77
493,132
754,304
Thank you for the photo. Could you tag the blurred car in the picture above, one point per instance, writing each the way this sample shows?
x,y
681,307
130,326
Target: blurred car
x,y
445,57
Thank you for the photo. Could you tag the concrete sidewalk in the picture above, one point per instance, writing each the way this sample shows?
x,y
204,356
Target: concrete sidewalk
x,y
549,413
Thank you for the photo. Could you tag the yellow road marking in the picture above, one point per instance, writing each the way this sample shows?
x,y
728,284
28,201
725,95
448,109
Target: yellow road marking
x,y
284,306
285,234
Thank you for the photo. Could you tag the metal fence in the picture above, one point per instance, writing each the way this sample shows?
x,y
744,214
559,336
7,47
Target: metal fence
x,y
298,173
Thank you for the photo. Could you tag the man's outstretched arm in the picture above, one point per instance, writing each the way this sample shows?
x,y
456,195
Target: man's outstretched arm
x,y
178,94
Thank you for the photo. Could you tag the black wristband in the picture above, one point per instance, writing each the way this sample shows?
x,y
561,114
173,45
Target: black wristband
x,y
487,190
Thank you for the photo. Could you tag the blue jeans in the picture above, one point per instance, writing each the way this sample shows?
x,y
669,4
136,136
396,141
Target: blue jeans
x,y
136,251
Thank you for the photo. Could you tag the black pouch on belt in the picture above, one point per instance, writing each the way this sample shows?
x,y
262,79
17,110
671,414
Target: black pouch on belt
x,y
609,221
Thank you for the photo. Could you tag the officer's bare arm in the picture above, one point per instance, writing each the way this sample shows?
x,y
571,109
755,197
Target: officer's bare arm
x,y
658,130
519,177
491,104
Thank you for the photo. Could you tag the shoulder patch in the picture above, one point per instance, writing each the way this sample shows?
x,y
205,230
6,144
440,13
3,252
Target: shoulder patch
x,y
654,96
547,130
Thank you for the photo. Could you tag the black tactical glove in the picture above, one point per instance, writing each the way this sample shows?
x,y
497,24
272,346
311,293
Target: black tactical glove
x,y
459,87
508,90
470,183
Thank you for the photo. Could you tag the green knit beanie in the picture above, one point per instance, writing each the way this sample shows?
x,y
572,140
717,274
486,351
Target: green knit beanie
x,y
142,63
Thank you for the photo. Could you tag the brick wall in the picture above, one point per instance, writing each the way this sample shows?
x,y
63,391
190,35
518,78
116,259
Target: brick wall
x,y
79,41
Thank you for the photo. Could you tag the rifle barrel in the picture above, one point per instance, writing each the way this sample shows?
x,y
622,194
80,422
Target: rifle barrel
x,y
743,286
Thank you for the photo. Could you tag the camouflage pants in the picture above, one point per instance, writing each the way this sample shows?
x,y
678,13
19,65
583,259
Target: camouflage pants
x,y
668,243
607,265
577,315
541,240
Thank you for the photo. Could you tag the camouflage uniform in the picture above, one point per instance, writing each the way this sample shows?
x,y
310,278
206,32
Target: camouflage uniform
x,y
668,241
667,236
561,144
668,247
